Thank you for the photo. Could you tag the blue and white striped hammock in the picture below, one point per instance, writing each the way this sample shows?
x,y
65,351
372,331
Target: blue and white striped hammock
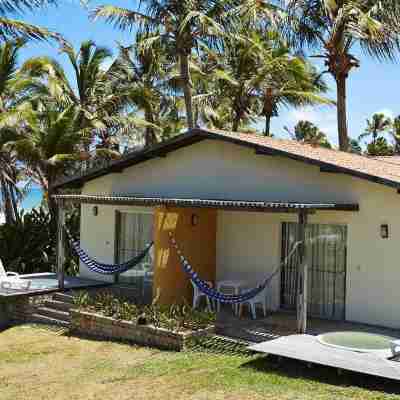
x,y
219,296
106,269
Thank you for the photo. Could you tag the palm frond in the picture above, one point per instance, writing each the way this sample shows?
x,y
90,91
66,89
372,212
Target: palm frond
x,y
120,18
11,29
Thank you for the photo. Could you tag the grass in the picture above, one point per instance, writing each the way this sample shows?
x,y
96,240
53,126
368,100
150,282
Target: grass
x,y
43,363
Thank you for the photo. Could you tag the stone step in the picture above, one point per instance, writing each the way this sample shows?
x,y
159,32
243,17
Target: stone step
x,y
58,305
41,319
53,313
63,297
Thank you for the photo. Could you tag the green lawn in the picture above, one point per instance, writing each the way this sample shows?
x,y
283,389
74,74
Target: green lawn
x,y
43,363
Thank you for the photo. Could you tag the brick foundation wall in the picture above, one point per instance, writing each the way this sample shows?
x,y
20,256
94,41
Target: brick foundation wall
x,y
95,325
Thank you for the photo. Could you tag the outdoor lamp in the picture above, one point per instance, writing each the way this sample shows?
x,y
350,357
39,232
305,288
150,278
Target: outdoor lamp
x,y
195,219
384,231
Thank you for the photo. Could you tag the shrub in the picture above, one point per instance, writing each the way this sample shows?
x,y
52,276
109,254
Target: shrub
x,y
174,318
82,300
29,246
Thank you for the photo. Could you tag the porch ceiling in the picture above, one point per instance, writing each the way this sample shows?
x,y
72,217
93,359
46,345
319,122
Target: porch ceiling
x,y
247,205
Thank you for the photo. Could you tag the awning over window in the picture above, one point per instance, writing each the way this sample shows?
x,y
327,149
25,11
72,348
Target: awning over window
x,y
250,205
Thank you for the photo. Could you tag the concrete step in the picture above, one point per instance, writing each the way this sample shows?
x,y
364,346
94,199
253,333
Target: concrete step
x,y
53,313
58,305
41,319
63,297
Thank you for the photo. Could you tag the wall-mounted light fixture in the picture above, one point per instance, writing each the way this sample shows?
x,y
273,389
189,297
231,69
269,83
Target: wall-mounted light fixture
x,y
384,231
95,210
195,219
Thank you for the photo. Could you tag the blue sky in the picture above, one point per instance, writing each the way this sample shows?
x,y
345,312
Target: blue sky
x,y
372,88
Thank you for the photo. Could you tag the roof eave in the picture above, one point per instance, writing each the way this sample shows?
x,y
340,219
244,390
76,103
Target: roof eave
x,y
159,150
196,135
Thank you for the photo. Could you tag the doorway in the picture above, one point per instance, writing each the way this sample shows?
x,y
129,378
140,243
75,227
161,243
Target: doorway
x,y
134,230
326,252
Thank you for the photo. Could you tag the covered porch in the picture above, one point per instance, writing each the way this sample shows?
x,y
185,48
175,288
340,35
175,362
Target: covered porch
x,y
222,239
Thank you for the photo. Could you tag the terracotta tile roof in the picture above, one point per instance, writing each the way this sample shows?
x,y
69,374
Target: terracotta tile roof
x,y
388,159
383,170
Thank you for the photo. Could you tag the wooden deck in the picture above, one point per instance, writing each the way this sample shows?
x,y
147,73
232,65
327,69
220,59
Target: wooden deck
x,y
308,349
279,324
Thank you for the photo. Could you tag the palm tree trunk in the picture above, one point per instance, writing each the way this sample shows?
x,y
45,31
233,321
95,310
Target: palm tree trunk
x,y
52,204
150,137
14,202
268,124
342,113
7,204
187,88
236,122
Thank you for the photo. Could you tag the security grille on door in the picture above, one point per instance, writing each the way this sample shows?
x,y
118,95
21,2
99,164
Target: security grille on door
x,y
326,258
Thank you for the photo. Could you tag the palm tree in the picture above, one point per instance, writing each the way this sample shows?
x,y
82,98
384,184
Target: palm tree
x,y
49,140
234,75
286,80
99,104
180,26
13,88
378,124
395,133
10,194
91,97
11,29
258,75
335,27
307,132
380,147
141,78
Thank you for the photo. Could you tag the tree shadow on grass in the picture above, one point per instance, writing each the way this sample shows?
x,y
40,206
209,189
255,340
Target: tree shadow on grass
x,y
289,368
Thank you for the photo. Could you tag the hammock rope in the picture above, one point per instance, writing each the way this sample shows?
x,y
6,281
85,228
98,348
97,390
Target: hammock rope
x,y
219,296
102,268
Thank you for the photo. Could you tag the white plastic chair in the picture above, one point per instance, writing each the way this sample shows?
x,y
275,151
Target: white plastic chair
x,y
197,295
261,299
7,275
12,280
229,290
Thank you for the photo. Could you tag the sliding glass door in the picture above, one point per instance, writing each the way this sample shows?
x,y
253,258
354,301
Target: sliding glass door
x,y
326,259
134,231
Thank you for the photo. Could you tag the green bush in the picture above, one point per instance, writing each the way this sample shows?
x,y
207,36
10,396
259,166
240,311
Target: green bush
x,y
29,246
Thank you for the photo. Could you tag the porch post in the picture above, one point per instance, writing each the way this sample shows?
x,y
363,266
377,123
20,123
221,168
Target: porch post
x,y
303,275
60,244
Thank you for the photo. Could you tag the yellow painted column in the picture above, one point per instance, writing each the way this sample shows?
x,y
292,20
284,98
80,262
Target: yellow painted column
x,y
195,232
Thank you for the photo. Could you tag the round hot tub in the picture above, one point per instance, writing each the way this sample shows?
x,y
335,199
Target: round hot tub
x,y
362,342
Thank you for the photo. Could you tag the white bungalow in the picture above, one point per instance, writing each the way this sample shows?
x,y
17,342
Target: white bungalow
x,y
233,203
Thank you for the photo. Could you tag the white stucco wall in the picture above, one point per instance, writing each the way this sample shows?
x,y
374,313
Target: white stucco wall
x,y
213,169
249,243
